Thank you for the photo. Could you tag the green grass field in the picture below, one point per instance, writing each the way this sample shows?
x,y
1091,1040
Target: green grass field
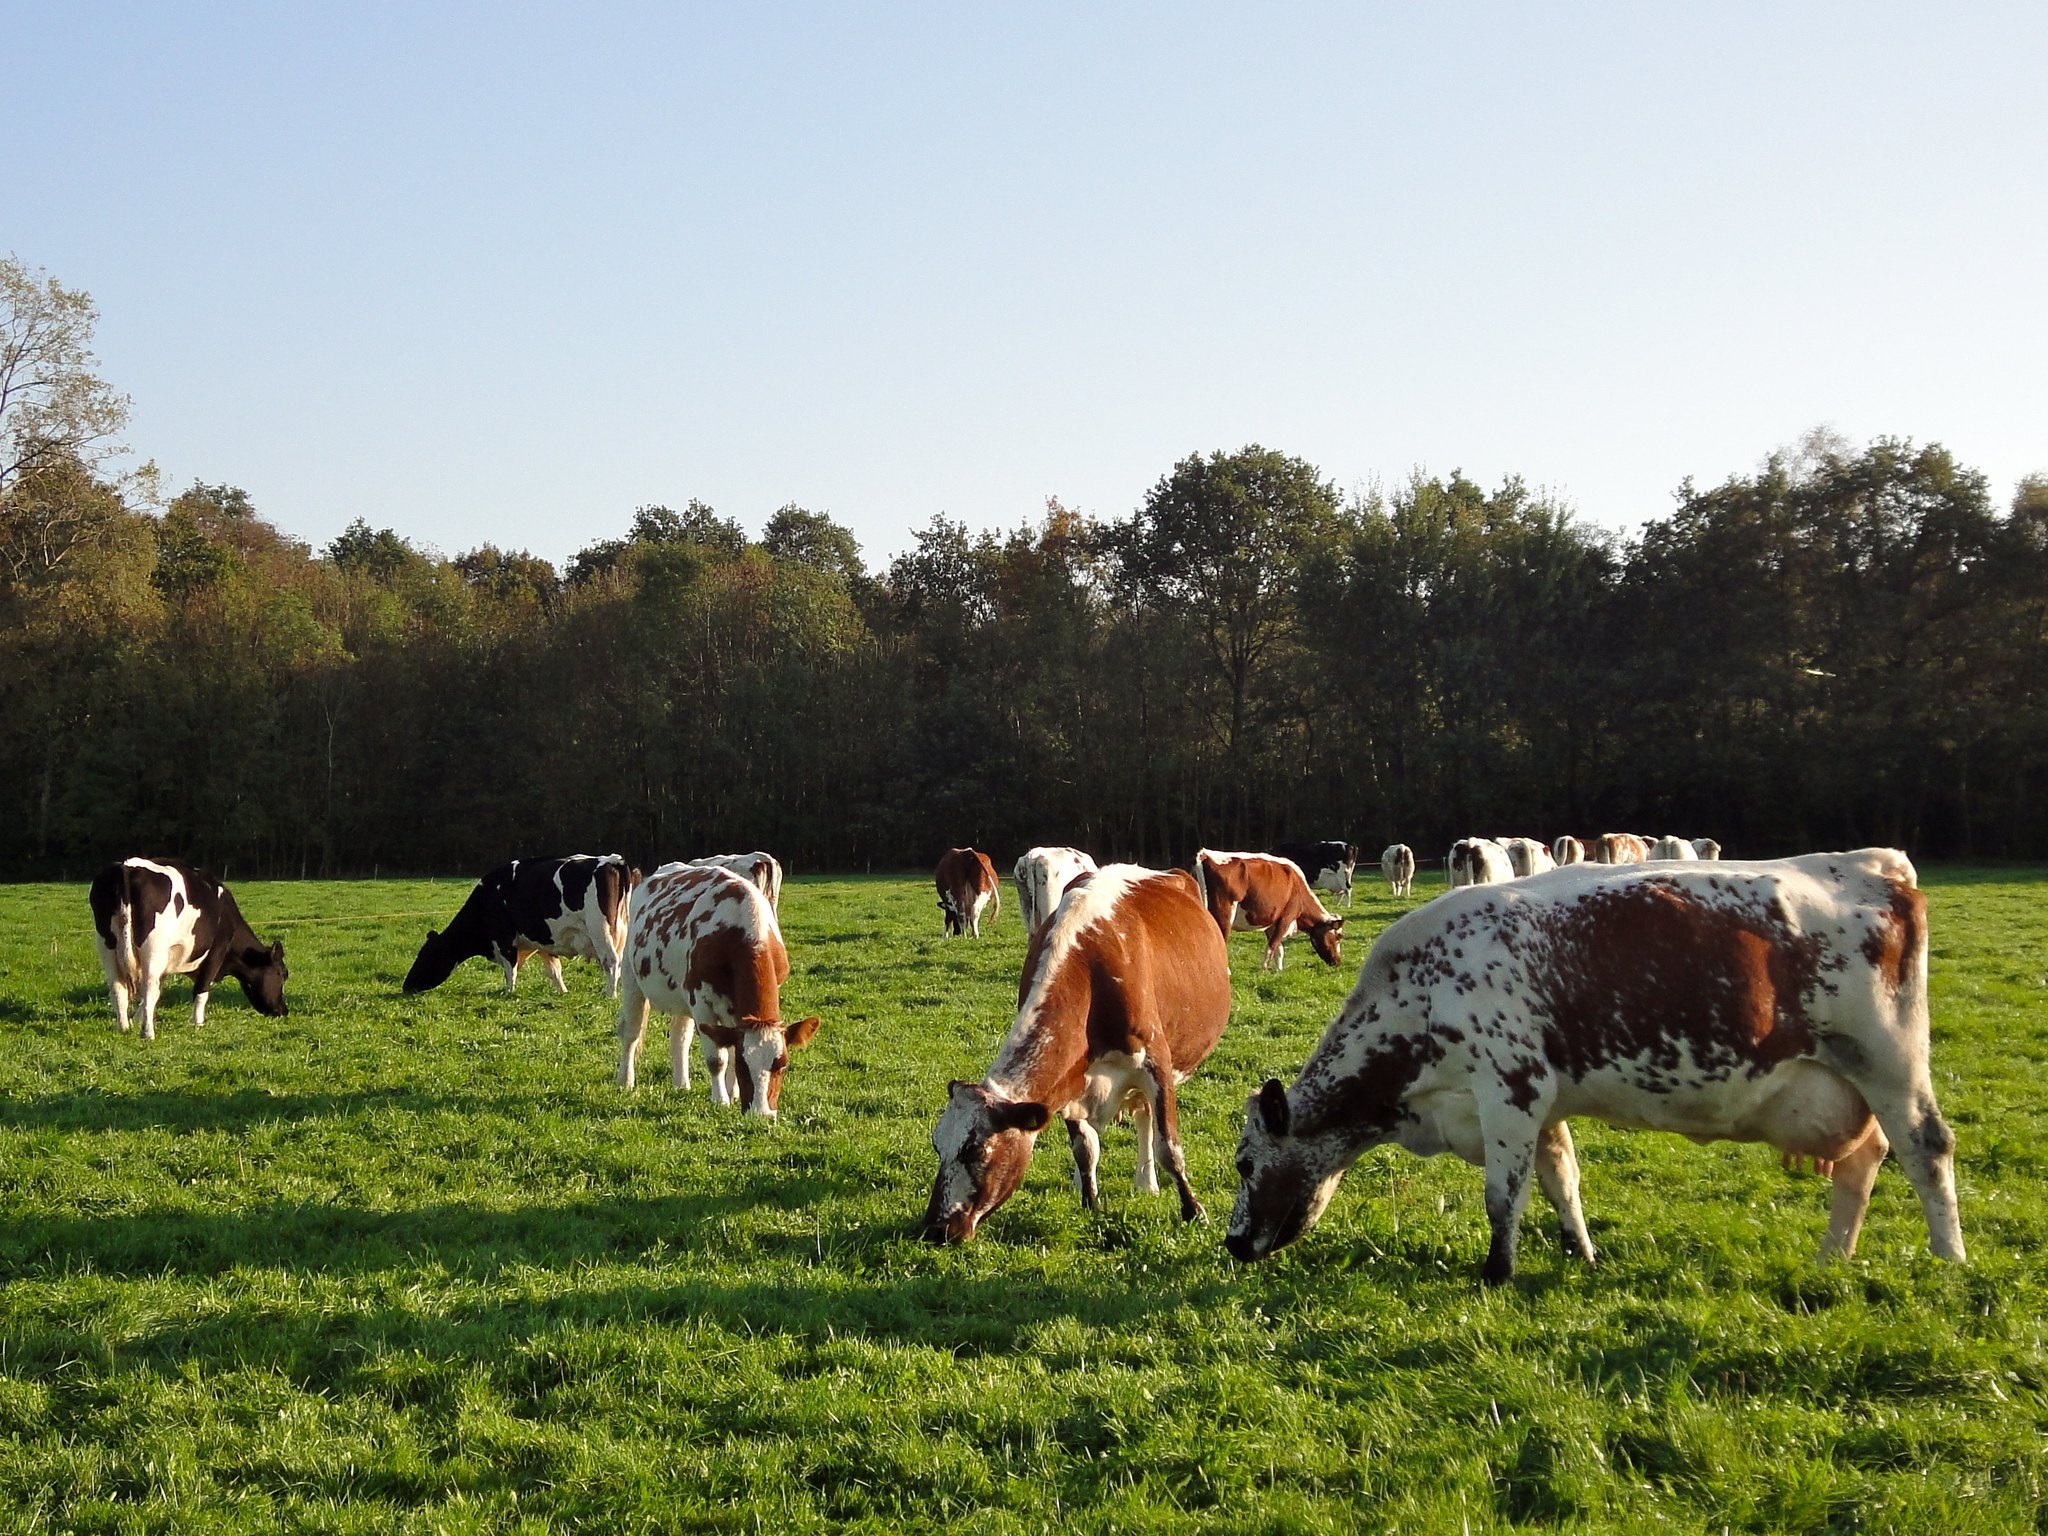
x,y
416,1265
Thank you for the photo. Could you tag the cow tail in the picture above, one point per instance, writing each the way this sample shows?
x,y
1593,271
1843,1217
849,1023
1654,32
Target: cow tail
x,y
122,925
1202,877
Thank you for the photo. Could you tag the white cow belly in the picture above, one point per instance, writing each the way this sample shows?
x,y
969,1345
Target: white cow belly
x,y
1735,1108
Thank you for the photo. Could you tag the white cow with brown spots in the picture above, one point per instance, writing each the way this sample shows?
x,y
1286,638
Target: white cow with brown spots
x,y
1776,1001
1125,992
1043,875
1617,848
1397,864
704,948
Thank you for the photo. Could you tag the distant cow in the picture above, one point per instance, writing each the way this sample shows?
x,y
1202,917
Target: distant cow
x,y
1397,863
548,907
1042,876
1783,1002
1124,993
1567,850
1667,848
1328,866
1257,890
1706,848
1526,856
704,948
1617,848
761,868
1478,861
967,883
156,918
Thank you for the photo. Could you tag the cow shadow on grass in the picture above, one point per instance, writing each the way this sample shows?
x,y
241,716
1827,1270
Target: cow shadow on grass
x,y
315,1239
241,1110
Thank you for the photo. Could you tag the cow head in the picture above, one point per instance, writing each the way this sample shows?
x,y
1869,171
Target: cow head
x,y
435,962
261,971
764,1057
984,1145
1326,938
1284,1180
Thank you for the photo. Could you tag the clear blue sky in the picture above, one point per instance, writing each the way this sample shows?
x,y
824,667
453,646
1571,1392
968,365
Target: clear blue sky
x,y
504,273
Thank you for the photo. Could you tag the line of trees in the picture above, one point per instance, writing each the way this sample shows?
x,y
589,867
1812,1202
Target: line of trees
x,y
1847,646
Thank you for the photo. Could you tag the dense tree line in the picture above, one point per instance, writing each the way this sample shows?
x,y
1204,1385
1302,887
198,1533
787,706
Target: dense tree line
x,y
1847,646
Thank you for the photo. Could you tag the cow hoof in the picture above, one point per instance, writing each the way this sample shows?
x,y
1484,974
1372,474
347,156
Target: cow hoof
x,y
1191,1210
1498,1271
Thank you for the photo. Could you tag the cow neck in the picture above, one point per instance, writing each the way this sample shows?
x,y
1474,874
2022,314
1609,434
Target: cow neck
x,y
1044,1057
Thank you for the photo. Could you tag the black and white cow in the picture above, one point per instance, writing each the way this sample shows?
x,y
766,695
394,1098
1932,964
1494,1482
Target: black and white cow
x,y
550,907
156,918
1327,866
1782,1001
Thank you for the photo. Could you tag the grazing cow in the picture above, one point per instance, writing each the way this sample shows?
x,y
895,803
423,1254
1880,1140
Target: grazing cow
x,y
1777,1001
1567,850
704,948
1328,866
549,907
1257,890
1706,848
1398,865
1672,848
1617,848
761,868
1125,992
1478,861
967,883
155,918
1042,875
1526,856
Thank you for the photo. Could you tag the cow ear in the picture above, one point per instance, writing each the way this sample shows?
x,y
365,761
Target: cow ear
x,y
1273,1111
1027,1116
798,1035
277,950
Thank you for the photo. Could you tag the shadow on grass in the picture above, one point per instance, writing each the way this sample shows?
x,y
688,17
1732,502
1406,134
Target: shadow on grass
x,y
315,1239
198,1111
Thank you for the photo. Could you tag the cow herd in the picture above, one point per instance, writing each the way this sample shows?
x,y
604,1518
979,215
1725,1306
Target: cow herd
x,y
1624,980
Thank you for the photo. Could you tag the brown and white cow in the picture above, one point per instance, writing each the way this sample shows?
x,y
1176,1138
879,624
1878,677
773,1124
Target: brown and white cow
x,y
1397,863
1478,861
1665,849
1257,890
1706,848
1526,856
1776,1001
1567,849
704,948
1124,993
1617,848
967,883
155,918
1043,875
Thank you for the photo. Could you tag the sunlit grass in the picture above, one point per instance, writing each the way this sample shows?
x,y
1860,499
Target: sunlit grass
x,y
415,1264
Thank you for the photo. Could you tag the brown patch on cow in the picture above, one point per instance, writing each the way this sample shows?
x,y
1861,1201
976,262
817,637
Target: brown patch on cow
x,y
1638,971
1893,944
646,965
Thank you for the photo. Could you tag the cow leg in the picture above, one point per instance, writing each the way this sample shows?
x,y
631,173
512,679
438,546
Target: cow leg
x,y
1557,1170
149,988
680,1030
118,990
510,963
553,966
1145,1177
1276,939
1166,1127
199,997
723,1071
1087,1148
632,1030
1925,1148
1854,1175
1511,1139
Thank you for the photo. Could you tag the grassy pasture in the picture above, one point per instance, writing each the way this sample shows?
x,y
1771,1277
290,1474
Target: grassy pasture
x,y
415,1265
